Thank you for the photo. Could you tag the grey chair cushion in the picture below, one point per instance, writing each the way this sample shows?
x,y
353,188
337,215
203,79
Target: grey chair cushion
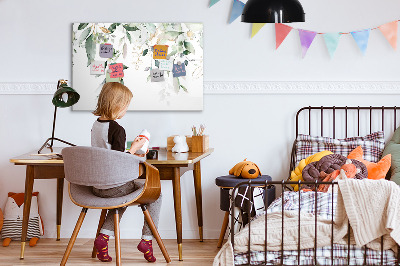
x,y
83,196
99,167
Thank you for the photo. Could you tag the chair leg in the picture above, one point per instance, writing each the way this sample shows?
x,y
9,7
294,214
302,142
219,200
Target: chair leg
x,y
101,222
73,237
154,230
223,229
117,239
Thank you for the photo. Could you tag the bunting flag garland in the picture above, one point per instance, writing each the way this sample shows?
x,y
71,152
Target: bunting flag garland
x,y
256,28
389,30
361,37
213,2
332,41
237,9
281,31
306,39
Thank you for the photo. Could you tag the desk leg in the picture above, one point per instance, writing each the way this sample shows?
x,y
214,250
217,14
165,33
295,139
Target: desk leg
x,y
176,182
199,204
27,206
60,190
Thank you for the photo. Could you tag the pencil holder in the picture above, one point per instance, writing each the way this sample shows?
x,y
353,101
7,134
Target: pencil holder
x,y
200,143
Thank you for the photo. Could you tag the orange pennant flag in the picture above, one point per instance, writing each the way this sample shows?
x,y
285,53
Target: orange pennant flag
x,y
389,30
281,31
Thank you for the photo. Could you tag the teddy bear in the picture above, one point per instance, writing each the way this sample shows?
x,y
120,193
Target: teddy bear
x,y
13,215
245,169
180,144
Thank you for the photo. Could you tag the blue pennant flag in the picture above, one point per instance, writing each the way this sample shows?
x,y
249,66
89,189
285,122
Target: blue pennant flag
x,y
213,2
332,41
361,37
237,9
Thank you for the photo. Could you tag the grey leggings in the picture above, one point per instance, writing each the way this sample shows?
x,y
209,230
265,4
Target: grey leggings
x,y
154,208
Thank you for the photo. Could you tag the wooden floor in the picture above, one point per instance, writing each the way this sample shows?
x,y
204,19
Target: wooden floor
x,y
50,252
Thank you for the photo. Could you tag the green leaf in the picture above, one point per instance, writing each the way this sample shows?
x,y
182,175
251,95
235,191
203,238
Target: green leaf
x,y
186,62
90,47
189,47
186,52
184,88
145,52
125,67
84,35
82,26
157,63
129,37
170,35
129,28
113,27
105,65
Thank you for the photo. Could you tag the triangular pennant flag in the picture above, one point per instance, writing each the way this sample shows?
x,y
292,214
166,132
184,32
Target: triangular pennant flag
x,y
332,41
256,28
237,9
213,2
281,31
389,30
306,39
361,37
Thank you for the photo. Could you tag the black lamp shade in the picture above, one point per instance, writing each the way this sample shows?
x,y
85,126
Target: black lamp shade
x,y
73,96
273,11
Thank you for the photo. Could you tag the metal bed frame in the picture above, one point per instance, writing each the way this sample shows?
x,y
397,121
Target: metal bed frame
x,y
283,184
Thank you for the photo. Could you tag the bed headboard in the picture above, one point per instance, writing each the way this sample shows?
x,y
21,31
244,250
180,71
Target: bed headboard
x,y
344,121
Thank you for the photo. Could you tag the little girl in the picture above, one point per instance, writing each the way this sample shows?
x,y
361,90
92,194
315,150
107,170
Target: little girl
x,y
112,104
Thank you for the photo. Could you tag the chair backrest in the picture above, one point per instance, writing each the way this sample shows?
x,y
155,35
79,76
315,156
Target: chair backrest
x,y
92,166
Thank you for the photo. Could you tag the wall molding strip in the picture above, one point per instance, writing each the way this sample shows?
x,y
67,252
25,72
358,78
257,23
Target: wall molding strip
x,y
250,87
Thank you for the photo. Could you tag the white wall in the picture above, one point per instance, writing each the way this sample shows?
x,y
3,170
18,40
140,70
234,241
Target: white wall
x,y
36,48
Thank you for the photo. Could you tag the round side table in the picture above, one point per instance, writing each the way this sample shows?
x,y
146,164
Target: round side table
x,y
228,182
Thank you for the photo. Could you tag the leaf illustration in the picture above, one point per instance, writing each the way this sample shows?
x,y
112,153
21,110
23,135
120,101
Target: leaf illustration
x,y
130,28
124,50
126,67
113,27
186,52
184,88
82,26
90,47
104,30
186,62
145,52
129,37
170,35
189,47
84,35
157,63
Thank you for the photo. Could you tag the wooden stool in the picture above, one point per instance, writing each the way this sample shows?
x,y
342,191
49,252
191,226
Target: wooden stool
x,y
226,183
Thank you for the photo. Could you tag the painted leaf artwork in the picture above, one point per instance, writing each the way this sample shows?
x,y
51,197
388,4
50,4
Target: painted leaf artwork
x,y
161,63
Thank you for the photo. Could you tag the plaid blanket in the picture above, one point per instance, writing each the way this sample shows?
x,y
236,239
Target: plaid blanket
x,y
323,205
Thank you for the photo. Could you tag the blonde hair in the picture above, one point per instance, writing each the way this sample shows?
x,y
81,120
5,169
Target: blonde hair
x,y
113,98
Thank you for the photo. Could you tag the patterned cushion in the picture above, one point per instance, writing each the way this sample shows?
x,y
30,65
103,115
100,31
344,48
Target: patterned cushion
x,y
372,144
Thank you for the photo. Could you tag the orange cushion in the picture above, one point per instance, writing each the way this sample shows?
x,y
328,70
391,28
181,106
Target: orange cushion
x,y
375,170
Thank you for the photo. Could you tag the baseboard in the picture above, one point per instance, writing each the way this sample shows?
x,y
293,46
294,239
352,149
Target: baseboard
x,y
247,87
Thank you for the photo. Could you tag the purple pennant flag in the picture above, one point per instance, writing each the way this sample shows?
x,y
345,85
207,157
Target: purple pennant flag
x,y
237,9
306,39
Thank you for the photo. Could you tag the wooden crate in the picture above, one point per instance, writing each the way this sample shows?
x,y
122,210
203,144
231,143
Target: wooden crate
x,y
171,143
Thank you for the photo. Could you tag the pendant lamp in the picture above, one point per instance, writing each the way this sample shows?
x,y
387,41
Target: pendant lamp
x,y
63,97
273,11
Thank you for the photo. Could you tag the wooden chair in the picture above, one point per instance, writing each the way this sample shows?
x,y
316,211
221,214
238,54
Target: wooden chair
x,y
85,167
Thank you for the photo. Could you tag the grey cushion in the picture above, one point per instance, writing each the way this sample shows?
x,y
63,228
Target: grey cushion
x,y
83,195
393,148
99,167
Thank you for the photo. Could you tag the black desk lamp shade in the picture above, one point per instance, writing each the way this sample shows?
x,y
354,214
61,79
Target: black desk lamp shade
x,y
273,11
63,97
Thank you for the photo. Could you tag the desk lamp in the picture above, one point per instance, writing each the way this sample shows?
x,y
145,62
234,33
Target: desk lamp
x,y
63,97
273,11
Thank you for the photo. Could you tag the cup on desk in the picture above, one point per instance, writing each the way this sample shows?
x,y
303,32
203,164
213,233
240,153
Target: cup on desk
x,y
152,155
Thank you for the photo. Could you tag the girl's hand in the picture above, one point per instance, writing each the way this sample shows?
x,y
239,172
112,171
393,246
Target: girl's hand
x,y
143,155
137,144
